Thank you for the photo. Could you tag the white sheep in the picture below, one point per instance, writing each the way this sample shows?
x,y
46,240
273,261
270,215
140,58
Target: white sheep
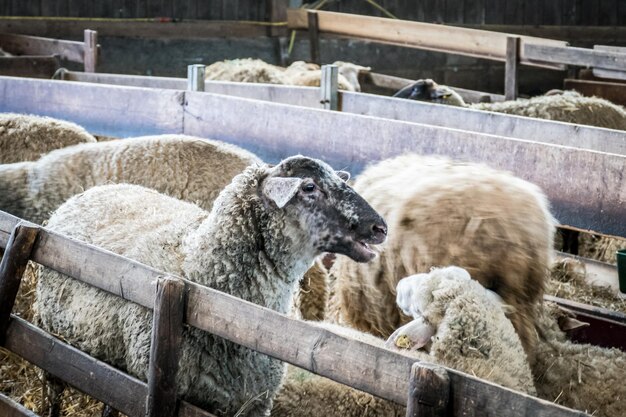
x,y
184,167
568,106
27,137
466,330
264,231
496,226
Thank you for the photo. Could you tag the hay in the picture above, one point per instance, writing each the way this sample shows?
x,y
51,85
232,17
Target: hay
x,y
599,247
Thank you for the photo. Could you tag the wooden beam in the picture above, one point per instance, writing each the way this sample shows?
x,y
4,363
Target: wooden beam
x,y
90,54
10,408
589,310
511,67
429,391
612,91
277,13
12,268
597,273
167,337
34,45
89,375
441,38
603,73
314,36
581,57
29,66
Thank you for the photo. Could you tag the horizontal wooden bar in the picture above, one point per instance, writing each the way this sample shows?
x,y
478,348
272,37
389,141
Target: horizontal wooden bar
x,y
614,92
419,35
91,376
29,66
7,224
35,45
597,273
570,55
10,408
589,310
64,27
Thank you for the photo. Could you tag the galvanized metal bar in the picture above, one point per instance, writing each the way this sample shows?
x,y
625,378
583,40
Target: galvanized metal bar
x,y
329,87
195,77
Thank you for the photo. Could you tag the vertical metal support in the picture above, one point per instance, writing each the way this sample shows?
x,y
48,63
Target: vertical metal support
x,y
195,77
91,50
329,94
12,268
511,66
429,391
167,337
314,36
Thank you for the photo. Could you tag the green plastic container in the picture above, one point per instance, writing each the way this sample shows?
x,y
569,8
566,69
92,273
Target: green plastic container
x,y
621,269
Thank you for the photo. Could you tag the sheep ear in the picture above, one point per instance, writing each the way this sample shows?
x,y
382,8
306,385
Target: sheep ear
x,y
280,189
344,175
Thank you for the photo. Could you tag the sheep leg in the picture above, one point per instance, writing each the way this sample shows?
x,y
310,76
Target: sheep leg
x,y
53,390
108,411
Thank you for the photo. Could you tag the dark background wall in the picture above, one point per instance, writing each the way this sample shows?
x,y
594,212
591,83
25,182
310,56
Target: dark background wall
x,y
517,12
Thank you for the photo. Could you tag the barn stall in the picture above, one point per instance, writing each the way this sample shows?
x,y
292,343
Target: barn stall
x,y
289,120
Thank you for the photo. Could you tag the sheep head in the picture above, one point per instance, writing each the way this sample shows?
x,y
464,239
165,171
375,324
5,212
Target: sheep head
x,y
428,90
322,210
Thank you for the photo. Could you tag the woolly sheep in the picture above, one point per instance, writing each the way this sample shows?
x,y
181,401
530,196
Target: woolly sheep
x,y
568,106
264,231
496,226
469,333
27,137
184,167
580,376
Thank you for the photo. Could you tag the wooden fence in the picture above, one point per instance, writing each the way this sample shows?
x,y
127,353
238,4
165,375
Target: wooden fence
x,y
378,371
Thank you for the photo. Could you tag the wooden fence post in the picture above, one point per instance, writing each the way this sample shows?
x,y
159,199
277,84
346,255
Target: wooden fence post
x,y
91,50
167,336
429,390
314,36
328,87
12,268
195,77
511,67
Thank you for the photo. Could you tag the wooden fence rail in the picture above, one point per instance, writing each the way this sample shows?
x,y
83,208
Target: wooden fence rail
x,y
366,367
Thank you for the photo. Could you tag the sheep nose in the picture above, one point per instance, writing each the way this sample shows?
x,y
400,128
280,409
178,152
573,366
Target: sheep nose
x,y
380,229
379,232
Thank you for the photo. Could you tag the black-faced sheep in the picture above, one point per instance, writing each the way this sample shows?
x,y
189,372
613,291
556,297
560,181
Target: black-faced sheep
x,y
28,137
496,226
263,233
568,106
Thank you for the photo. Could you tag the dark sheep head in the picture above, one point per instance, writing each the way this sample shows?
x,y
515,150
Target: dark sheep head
x,y
427,90
322,209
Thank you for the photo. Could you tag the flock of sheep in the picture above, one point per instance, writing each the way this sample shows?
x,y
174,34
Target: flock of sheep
x,y
217,215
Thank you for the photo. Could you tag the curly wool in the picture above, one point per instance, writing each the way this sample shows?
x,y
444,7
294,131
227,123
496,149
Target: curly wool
x,y
184,167
28,137
580,376
494,225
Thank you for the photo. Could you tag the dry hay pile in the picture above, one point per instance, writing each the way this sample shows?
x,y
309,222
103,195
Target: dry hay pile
x,y
569,107
599,247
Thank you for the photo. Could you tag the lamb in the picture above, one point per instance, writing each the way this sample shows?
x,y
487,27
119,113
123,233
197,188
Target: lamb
x,y
580,376
27,137
264,231
467,330
184,167
496,226
568,106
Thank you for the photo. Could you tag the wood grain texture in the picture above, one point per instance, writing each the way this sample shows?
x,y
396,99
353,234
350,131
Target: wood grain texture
x,y
29,66
9,408
35,45
576,56
612,91
429,391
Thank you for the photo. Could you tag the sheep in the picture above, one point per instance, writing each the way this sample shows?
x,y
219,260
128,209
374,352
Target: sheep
x,y
496,226
580,376
27,137
298,73
185,167
568,106
264,231
467,330
312,296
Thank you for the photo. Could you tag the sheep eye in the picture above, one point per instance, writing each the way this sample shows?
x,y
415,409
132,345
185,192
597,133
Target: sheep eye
x,y
308,188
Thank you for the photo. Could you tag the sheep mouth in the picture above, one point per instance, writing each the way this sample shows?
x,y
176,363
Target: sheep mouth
x,y
360,251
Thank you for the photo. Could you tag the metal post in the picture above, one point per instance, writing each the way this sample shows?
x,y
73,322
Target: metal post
x,y
510,69
90,57
195,77
329,95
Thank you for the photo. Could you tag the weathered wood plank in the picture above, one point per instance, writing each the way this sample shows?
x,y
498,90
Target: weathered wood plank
x,y
89,375
10,408
575,56
596,200
603,73
614,92
12,268
314,36
34,45
511,67
29,66
167,336
462,41
429,391
589,310
7,224
101,109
